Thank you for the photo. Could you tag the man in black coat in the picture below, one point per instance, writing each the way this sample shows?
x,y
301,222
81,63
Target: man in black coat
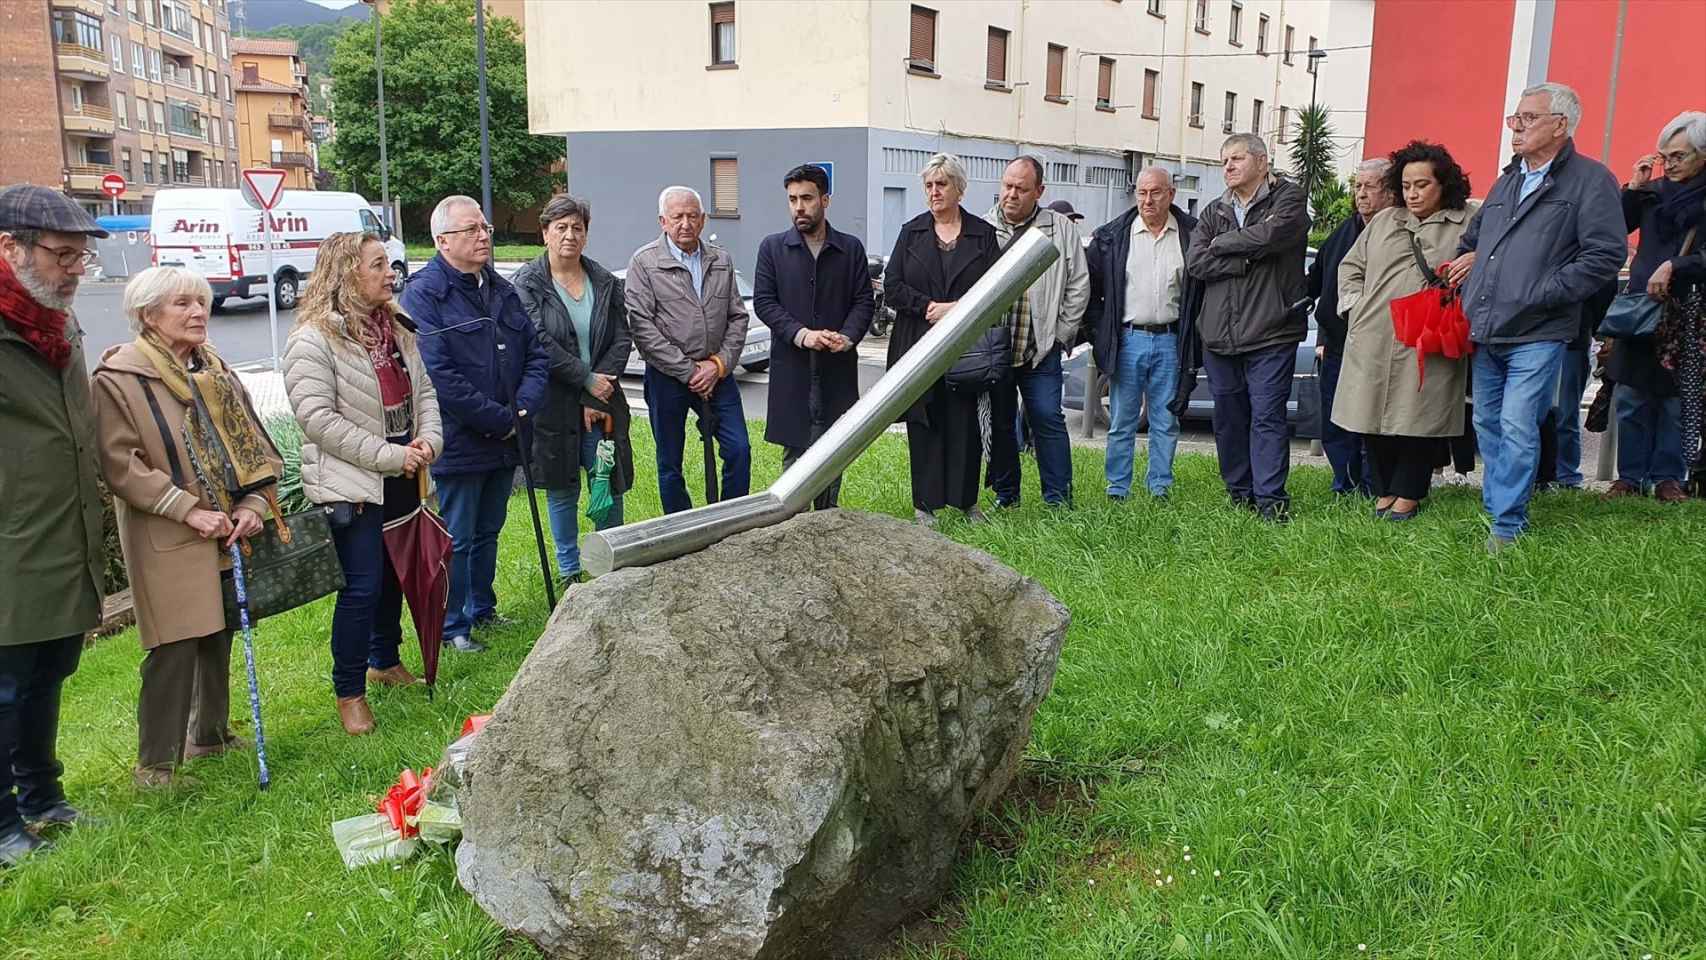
x,y
812,289
1343,448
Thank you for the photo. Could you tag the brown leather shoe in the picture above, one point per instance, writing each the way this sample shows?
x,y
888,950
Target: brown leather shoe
x,y
395,676
157,778
1622,488
232,742
1669,491
357,718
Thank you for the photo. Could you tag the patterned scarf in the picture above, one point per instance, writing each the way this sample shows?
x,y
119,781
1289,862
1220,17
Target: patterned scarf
x,y
220,431
394,386
40,327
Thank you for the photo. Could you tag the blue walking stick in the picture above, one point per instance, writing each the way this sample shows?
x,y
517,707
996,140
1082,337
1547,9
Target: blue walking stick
x,y
249,660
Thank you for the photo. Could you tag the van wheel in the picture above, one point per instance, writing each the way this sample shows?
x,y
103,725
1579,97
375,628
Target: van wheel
x,y
401,269
287,288
218,302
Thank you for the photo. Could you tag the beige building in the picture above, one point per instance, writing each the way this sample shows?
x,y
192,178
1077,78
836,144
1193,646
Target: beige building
x,y
738,92
273,128
140,88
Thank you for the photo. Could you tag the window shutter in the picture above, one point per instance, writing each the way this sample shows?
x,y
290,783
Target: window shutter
x,y
725,185
722,13
997,67
1105,81
924,36
1150,81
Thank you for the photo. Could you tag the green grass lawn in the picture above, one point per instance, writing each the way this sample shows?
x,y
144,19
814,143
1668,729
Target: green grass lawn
x,y
502,251
1334,734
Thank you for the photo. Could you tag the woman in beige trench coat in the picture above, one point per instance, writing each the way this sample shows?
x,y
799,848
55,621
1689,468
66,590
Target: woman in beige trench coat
x,y
173,532
1402,414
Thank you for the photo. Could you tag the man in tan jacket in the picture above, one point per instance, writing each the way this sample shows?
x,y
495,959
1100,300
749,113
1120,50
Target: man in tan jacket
x,y
689,324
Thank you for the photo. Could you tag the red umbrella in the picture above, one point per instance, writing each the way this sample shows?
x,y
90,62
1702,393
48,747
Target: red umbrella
x,y
419,546
1431,320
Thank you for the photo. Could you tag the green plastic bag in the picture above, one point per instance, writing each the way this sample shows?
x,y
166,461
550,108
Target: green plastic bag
x,y
598,499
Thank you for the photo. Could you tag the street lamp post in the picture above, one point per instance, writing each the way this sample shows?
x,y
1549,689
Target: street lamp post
x,y
379,68
1316,55
485,136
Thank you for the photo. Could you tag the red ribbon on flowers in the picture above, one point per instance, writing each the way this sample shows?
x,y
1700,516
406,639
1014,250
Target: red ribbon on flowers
x,y
404,800
474,723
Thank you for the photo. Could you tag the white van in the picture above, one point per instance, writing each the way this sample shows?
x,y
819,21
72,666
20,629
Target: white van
x,y
214,233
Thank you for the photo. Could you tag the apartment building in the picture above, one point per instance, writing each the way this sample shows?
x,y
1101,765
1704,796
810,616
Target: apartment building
x,y
732,94
141,88
273,126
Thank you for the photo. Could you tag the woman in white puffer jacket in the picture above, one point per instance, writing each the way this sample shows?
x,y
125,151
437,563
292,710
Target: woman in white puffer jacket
x,y
370,423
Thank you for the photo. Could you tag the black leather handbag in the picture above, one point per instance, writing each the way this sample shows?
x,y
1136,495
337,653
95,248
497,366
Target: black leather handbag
x,y
986,364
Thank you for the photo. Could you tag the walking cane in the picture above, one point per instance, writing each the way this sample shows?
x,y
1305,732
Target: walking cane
x,y
249,661
533,505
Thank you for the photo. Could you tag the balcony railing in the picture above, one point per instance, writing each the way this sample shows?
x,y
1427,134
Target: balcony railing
x,y
290,159
286,121
95,110
82,62
187,181
179,130
86,177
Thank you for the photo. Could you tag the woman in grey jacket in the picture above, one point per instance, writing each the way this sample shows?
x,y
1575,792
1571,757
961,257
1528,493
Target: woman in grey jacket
x,y
370,422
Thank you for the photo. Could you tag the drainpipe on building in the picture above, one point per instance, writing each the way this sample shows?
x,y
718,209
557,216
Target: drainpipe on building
x,y
1608,442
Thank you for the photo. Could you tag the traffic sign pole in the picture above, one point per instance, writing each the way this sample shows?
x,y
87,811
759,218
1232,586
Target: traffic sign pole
x,y
261,188
272,292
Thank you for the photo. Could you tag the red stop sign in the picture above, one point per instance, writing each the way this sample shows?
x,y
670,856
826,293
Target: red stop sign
x,y
112,185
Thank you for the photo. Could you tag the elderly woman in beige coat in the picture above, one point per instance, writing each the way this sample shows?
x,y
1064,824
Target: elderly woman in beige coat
x,y
1402,413
370,427
157,444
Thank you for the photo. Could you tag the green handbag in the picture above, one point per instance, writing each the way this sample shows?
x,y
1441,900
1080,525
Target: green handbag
x,y
291,563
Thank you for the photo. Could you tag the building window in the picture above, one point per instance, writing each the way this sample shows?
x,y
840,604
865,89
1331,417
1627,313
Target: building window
x,y
148,8
725,187
154,65
1290,42
1056,73
1202,16
1262,34
1155,9
1284,122
1256,117
251,72
1313,60
1104,84
995,57
121,111
1235,25
159,116
1151,93
225,86
231,132
224,45
722,34
922,52
78,29
147,167
136,60
117,46
124,157
1196,104
1231,111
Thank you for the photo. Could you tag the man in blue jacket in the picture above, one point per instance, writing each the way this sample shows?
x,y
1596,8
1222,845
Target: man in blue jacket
x,y
1549,235
812,289
485,361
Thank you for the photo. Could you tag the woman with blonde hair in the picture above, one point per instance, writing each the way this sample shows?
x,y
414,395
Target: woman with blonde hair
x,y
370,423
191,471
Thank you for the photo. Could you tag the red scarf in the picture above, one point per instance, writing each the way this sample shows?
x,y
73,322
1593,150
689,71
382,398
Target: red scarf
x,y
40,327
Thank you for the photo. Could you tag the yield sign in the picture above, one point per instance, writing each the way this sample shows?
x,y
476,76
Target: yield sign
x,y
263,187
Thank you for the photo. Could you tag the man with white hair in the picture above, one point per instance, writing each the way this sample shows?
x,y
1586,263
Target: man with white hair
x,y
1549,235
1343,448
689,324
52,565
479,347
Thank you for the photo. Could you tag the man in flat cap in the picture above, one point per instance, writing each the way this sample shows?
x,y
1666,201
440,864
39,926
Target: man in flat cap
x,y
51,567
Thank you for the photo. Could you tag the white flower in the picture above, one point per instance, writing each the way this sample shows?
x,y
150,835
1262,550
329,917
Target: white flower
x,y
1362,948
1187,857
1217,873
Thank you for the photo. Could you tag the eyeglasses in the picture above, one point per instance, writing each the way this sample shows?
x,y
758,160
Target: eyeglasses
x,y
1522,121
478,228
71,256
1678,158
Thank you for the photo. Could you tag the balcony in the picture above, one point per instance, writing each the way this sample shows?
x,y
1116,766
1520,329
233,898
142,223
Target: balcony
x,y
86,177
91,7
90,118
189,181
287,121
80,62
292,159
179,41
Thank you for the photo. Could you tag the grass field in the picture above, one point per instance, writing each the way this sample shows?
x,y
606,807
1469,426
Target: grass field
x,y
1334,739
500,252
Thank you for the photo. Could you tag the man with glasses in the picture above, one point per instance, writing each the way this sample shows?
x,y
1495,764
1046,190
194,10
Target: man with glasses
x,y
52,563
1549,235
490,371
689,324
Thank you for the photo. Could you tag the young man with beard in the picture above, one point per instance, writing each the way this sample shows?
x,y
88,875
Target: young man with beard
x,y
51,569
813,290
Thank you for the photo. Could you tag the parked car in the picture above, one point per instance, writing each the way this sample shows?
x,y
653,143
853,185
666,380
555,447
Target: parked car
x,y
882,318
754,357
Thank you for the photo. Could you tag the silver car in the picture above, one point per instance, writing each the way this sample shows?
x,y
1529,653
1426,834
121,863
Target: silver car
x,y
754,357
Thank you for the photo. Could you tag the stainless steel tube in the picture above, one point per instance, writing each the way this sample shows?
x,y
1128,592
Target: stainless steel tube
x,y
674,535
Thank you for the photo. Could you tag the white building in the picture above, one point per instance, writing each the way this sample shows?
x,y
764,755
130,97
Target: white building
x,y
727,96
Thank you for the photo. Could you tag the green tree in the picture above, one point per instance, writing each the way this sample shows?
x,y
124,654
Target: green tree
x,y
432,119
1331,203
1312,152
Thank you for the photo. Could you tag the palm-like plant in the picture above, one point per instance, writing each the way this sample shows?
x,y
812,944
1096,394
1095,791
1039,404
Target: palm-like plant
x,y
1312,151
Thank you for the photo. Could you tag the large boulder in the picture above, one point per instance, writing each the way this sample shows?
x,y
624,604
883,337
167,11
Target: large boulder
x,y
768,749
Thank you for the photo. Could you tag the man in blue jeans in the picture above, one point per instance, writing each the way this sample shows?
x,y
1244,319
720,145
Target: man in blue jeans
x,y
1248,252
1549,235
1139,293
1044,323
689,323
485,361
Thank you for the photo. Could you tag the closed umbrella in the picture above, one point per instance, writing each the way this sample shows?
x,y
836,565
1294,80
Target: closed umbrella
x,y
599,499
708,433
419,547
